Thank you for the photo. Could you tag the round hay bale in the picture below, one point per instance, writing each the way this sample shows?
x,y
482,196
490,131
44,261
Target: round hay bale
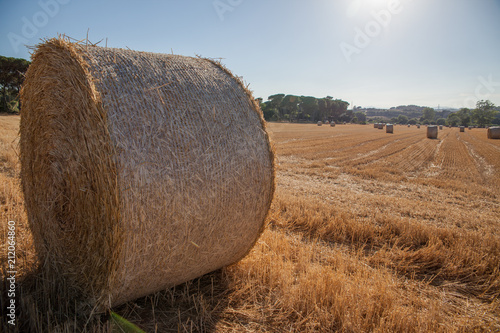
x,y
432,132
332,124
418,125
462,128
389,128
140,171
320,123
408,125
440,127
494,132
375,125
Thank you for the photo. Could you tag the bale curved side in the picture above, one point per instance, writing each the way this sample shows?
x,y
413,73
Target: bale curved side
x,y
185,147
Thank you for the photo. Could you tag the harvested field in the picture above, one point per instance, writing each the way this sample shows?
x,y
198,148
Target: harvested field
x,y
367,233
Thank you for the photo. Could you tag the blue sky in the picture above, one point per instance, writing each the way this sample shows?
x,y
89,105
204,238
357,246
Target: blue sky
x,y
379,53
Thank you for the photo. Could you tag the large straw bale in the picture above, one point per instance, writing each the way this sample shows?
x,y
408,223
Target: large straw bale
x,y
140,171
432,132
389,128
494,133
462,128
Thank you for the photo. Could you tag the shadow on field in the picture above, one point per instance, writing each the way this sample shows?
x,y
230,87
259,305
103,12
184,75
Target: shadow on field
x,y
44,305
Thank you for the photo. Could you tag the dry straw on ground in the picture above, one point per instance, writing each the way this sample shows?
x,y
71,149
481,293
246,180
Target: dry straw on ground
x,y
432,132
140,171
494,133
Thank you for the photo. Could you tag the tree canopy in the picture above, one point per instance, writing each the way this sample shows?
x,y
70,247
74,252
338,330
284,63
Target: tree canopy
x,y
11,77
305,108
484,113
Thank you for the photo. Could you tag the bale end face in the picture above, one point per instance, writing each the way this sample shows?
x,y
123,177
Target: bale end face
x,y
432,132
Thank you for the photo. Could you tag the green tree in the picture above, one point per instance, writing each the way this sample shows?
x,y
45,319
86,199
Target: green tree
x,y
290,105
441,121
402,119
412,121
275,103
465,116
310,106
428,114
11,77
361,117
484,113
453,119
270,114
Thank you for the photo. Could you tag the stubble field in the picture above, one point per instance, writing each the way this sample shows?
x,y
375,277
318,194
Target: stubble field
x,y
368,232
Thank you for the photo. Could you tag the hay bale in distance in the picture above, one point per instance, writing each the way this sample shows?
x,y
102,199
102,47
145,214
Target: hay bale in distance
x,y
140,171
389,128
462,128
494,132
432,132
440,127
320,123
375,125
332,124
418,125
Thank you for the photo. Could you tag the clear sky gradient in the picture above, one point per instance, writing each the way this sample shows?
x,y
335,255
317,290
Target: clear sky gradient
x,y
377,53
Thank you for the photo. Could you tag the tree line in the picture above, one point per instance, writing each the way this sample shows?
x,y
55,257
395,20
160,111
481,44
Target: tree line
x,y
281,107
11,77
485,114
295,108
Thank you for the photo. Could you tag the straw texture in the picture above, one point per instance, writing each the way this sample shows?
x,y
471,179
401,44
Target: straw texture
x,y
494,133
140,171
432,132
389,128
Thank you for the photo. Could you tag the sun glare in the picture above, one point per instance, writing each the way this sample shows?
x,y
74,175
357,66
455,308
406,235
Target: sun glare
x,y
355,6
